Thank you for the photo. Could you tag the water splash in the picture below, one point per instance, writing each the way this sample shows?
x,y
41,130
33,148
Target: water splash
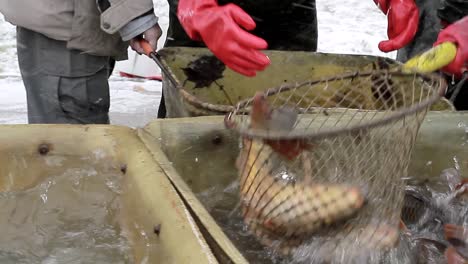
x,y
457,164
67,218
423,241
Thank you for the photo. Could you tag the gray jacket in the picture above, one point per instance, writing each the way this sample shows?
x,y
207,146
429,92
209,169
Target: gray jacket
x,y
82,24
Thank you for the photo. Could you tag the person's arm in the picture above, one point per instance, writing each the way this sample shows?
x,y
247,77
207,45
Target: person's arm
x,y
456,33
146,27
133,19
403,19
223,29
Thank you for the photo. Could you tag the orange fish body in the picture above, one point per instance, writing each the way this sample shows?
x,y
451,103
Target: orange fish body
x,y
453,257
457,236
262,117
278,212
289,149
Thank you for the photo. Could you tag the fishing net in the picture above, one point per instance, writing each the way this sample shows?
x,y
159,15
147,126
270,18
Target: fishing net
x,y
325,184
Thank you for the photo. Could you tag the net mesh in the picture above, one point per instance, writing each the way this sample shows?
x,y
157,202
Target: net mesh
x,y
321,161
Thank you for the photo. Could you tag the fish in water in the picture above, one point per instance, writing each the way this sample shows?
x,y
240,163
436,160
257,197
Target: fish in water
x,y
278,212
422,221
453,257
421,206
457,236
430,215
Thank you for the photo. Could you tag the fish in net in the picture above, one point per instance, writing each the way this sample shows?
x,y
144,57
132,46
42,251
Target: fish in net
x,y
322,161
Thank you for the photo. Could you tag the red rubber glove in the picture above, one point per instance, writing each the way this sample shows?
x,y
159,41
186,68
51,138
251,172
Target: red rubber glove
x,y
221,28
403,19
456,33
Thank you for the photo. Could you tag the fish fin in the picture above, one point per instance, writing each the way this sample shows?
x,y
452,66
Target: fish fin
x,y
403,227
261,113
457,236
289,149
455,232
452,256
462,184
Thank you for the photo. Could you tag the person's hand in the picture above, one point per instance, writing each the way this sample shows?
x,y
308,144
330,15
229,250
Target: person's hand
x,y
456,33
223,30
151,35
403,19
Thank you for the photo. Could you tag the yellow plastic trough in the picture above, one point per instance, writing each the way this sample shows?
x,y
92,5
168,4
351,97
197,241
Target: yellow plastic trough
x,y
199,153
206,81
165,163
30,153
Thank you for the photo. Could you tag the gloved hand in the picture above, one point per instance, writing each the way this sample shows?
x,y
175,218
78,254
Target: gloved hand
x,y
223,30
403,19
456,33
151,35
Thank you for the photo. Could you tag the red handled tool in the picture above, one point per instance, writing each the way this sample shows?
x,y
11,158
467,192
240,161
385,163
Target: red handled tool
x,y
155,56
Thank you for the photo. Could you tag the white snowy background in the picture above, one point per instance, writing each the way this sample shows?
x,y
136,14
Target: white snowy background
x,y
349,27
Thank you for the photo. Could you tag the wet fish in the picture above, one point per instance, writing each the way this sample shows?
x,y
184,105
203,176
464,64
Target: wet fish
x,y
281,119
453,257
461,190
418,208
427,207
428,251
457,236
430,215
279,212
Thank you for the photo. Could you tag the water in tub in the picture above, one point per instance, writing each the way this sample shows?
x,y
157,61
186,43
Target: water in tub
x,y
68,218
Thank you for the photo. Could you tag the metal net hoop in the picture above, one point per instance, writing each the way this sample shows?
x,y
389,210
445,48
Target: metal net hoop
x,y
372,87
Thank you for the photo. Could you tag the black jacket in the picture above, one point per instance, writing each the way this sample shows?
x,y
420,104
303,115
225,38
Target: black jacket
x,y
452,10
285,25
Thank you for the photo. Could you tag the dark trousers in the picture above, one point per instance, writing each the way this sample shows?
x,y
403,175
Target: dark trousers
x,y
62,85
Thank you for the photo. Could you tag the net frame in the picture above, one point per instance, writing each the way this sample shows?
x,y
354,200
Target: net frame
x,y
410,116
241,107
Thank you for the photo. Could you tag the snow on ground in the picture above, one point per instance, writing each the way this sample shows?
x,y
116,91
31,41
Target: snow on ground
x,y
351,27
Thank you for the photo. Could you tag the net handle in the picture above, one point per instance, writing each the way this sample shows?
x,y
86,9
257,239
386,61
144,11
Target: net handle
x,y
194,101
